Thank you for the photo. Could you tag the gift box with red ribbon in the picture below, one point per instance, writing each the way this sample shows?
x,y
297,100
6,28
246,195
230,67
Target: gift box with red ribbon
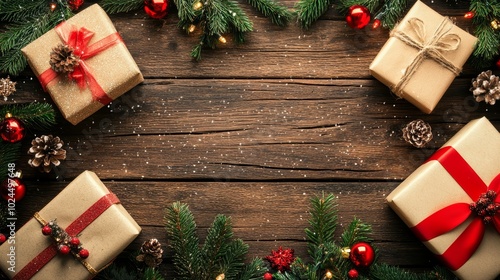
x,y
83,64
452,205
74,236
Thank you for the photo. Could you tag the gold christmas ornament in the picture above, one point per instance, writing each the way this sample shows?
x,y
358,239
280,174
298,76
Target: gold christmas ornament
x,y
191,28
345,252
495,24
7,87
197,6
220,277
328,274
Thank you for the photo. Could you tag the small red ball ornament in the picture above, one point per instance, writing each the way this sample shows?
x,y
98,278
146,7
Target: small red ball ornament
x,y
12,129
84,253
362,254
156,8
353,274
13,188
64,249
46,230
358,16
268,276
3,238
74,241
75,4
498,64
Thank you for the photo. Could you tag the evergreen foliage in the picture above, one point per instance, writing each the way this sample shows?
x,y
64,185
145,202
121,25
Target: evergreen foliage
x,y
309,11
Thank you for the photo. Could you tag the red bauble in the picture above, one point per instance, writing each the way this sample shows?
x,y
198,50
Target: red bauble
x,y
3,238
358,16
46,230
13,188
64,249
362,254
74,241
84,253
353,274
75,4
156,8
12,129
268,276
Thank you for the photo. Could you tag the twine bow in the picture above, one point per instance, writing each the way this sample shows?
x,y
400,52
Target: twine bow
x,y
441,41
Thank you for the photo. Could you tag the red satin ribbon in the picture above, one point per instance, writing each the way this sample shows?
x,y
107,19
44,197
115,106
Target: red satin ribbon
x,y
451,216
78,39
77,226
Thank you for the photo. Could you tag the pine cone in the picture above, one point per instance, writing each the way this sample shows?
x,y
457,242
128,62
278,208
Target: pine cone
x,y
486,88
7,87
151,253
418,133
63,60
48,151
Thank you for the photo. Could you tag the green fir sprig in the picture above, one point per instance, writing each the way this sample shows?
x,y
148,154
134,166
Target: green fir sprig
x,y
487,48
309,11
279,15
121,6
220,253
27,20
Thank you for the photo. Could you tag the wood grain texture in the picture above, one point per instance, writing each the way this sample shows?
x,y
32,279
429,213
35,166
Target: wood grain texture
x,y
253,131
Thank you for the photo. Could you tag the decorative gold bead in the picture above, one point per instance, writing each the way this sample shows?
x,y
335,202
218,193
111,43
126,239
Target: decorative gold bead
x,y
495,24
345,252
191,28
222,40
328,274
197,6
220,277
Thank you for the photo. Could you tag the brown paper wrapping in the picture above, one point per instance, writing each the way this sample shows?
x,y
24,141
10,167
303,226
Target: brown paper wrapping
x,y
114,69
431,188
105,238
431,80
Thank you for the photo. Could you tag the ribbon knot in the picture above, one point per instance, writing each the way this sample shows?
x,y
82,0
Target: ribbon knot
x,y
450,217
441,41
79,40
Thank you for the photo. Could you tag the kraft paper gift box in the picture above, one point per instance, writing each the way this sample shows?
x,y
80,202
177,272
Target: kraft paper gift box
x,y
85,203
435,202
109,71
422,57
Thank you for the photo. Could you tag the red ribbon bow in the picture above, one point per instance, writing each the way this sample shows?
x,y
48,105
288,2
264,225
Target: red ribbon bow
x,y
451,216
78,39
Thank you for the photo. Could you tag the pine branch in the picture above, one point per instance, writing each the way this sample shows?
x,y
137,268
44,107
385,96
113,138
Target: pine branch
x,y
253,271
121,6
4,214
215,246
17,11
280,15
181,232
185,10
308,11
9,153
344,5
357,232
115,271
151,274
35,116
386,272
233,260
323,221
487,48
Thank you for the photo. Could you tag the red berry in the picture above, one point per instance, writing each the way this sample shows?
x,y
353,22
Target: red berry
x,y
353,274
268,276
74,241
84,253
46,230
64,249
3,238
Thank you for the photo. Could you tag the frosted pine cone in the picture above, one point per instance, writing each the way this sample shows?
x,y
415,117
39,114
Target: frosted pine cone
x,y
418,133
48,151
63,59
151,253
486,88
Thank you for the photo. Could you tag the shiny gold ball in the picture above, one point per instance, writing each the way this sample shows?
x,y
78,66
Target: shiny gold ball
x,y
495,24
192,28
328,274
197,6
220,277
222,40
345,252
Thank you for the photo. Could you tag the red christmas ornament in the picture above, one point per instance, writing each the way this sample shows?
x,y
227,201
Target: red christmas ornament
x,y
156,8
469,14
12,129
362,254
74,241
13,188
3,238
46,230
84,253
268,276
75,4
358,16
64,249
353,274
281,259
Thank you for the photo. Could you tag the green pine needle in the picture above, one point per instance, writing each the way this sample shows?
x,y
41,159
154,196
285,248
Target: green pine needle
x,y
181,232
233,261
344,5
309,11
323,221
151,274
121,6
185,10
357,232
9,153
253,271
35,116
215,246
279,15
19,10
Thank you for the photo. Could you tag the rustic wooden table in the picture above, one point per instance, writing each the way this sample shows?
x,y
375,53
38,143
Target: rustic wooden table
x,y
254,131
